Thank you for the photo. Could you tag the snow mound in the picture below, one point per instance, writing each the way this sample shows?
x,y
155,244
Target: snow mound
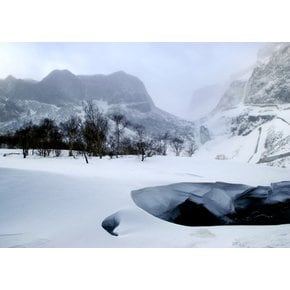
x,y
204,204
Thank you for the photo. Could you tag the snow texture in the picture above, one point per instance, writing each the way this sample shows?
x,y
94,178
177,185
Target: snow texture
x,y
62,202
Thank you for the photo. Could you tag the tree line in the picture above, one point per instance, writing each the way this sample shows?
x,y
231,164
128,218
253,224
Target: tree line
x,y
96,135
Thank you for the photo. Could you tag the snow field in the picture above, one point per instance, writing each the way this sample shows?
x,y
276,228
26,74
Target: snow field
x,y
62,202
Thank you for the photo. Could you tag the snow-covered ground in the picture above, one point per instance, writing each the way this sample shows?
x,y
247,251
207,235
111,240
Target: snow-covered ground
x,y
258,140
62,202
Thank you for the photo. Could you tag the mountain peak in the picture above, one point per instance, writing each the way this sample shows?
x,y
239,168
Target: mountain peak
x,y
121,75
57,73
119,72
10,78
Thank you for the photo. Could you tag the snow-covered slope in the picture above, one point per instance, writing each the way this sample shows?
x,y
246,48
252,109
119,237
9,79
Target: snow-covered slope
x,y
251,123
62,202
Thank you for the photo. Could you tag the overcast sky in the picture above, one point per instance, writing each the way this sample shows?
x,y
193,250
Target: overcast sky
x,y
171,72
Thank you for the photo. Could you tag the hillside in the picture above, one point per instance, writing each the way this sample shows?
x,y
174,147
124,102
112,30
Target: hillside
x,y
251,122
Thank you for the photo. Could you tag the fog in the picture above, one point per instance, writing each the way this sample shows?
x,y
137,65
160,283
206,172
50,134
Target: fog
x,y
171,72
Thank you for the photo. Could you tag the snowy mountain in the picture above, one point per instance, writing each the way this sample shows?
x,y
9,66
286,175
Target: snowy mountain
x,y
270,81
251,122
61,94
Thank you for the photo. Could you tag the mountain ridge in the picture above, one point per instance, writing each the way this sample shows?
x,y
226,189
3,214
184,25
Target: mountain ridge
x,y
62,93
62,86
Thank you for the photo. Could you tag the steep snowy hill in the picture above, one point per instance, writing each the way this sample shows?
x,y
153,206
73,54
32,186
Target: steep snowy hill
x,y
61,94
251,123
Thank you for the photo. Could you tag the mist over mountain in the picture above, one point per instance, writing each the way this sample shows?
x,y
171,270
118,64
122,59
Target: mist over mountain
x,y
61,94
204,100
61,87
248,119
225,94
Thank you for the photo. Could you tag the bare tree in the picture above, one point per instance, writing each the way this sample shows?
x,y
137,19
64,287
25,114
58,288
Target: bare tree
x,y
191,147
95,130
81,142
128,146
71,130
161,143
111,146
145,146
140,130
177,145
44,137
24,136
48,137
120,125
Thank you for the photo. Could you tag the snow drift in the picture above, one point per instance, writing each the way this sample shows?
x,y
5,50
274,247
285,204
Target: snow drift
x,y
206,204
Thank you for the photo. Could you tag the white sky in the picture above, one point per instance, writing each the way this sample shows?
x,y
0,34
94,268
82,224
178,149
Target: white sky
x,y
171,72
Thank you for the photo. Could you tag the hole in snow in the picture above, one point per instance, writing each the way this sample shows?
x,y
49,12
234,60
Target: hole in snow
x,y
191,214
211,204
111,223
